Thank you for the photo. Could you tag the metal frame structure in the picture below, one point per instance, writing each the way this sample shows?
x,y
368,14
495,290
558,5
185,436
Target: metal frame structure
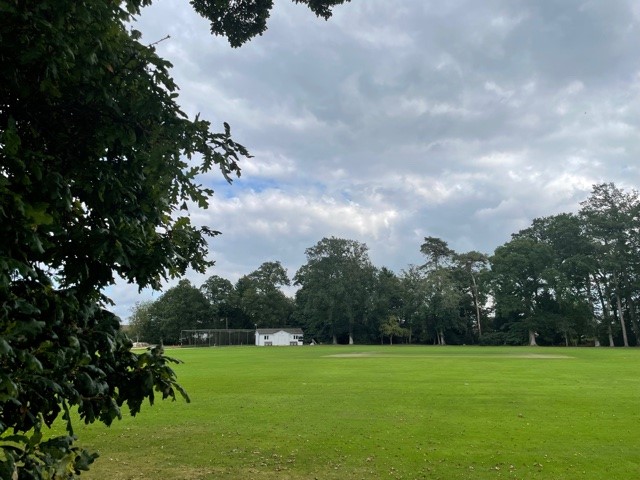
x,y
215,337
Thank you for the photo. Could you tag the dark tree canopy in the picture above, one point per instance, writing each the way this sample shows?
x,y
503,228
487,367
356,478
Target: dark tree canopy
x,y
260,299
437,252
334,287
97,172
241,20
221,296
183,307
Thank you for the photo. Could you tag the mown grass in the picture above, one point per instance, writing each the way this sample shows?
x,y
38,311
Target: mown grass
x,y
364,412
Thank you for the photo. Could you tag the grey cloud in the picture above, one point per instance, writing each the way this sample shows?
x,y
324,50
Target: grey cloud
x,y
461,119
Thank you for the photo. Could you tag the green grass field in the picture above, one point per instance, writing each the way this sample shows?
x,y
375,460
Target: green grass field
x,y
365,412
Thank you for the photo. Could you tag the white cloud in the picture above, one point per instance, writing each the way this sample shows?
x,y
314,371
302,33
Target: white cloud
x,y
574,88
277,214
416,106
501,160
397,120
504,24
382,37
269,165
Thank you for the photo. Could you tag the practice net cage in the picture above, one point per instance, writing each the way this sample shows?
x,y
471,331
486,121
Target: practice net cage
x,y
216,337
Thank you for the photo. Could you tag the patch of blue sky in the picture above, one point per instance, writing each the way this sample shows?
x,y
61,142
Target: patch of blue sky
x,y
257,185
346,196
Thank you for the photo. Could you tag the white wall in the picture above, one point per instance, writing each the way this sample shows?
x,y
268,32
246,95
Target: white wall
x,y
280,338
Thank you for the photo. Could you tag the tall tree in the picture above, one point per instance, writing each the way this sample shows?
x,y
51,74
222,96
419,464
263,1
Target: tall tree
x,y
183,307
98,164
414,297
437,252
385,302
140,321
612,221
222,297
334,289
260,296
443,298
521,278
442,288
471,265
574,264
270,276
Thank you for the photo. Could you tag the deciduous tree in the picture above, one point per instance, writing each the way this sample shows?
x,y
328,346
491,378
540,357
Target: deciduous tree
x,y
260,296
612,223
472,265
443,298
223,299
140,321
385,301
522,284
573,266
335,287
241,20
391,328
97,168
183,307
414,297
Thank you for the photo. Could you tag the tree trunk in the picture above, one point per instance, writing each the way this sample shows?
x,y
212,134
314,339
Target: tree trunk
x,y
611,342
335,339
390,339
621,318
620,312
633,319
475,301
605,313
350,339
594,321
532,339
440,334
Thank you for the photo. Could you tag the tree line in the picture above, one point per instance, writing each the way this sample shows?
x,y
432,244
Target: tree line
x,y
567,279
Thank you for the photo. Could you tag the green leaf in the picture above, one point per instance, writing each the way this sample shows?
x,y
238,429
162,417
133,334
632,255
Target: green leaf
x,y
5,348
8,389
10,139
37,214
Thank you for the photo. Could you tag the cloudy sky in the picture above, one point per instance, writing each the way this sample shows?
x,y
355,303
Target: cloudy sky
x,y
397,120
